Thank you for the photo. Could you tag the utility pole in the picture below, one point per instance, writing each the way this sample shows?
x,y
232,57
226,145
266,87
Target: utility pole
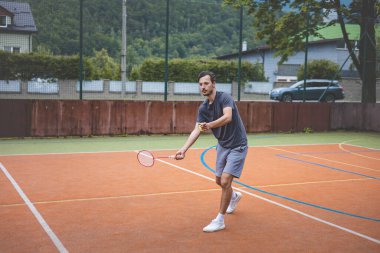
x,y
124,48
81,49
306,51
240,47
166,51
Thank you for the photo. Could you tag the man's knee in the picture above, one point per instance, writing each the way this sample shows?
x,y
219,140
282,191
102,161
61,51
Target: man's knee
x,y
226,181
225,184
218,181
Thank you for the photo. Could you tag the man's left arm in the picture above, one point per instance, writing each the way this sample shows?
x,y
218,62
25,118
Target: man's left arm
x,y
223,120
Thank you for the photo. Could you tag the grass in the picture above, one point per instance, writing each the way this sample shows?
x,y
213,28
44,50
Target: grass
x,y
152,142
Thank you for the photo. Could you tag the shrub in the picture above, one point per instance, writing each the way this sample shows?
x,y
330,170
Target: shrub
x,y
29,66
104,66
320,69
187,70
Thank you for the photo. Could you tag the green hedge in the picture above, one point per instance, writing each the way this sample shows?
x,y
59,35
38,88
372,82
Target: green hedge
x,y
320,69
187,70
29,66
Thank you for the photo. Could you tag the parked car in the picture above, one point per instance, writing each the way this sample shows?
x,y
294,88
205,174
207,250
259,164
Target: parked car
x,y
331,90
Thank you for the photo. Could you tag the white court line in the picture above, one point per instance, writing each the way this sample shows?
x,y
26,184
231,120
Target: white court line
x,y
133,150
324,159
35,212
355,153
281,205
354,145
176,192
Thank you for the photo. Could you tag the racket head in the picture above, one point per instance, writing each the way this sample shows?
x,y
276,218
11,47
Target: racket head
x,y
145,158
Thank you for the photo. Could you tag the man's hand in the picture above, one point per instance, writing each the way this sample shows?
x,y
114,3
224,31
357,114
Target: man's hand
x,y
203,126
179,155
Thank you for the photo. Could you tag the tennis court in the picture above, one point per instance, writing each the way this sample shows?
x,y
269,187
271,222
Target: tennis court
x,y
301,193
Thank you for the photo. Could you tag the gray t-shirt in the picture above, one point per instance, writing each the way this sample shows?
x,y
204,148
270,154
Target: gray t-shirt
x,y
230,135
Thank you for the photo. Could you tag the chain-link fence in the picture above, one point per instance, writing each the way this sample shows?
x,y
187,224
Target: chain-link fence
x,y
54,31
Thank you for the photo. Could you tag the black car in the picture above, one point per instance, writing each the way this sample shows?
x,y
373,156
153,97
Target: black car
x,y
316,89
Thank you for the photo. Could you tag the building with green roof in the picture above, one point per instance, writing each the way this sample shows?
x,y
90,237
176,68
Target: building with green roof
x,y
330,47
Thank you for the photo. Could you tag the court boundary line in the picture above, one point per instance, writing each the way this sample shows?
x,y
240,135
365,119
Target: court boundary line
x,y
324,159
327,166
53,237
280,205
360,146
134,150
355,153
176,192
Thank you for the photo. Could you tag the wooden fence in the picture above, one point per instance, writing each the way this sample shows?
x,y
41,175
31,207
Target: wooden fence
x,y
43,118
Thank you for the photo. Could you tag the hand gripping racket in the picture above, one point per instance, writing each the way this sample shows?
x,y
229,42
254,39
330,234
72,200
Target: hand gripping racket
x,y
146,158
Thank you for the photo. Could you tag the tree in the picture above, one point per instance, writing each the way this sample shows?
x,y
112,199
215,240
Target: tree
x,y
283,24
105,67
190,23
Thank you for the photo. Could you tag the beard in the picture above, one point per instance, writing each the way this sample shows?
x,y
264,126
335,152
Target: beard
x,y
206,93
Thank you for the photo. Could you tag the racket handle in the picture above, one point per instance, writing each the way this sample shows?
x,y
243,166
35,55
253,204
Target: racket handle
x,y
174,157
170,156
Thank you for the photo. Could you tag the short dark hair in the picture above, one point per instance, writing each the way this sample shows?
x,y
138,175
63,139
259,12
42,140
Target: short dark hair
x,y
207,73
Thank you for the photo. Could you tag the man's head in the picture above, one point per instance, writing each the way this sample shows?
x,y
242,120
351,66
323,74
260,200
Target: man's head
x,y
206,80
207,73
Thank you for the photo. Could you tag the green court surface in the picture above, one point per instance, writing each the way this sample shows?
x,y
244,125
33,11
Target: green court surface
x,y
154,142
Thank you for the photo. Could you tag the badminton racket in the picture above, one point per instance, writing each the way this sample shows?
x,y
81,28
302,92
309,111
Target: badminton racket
x,y
146,158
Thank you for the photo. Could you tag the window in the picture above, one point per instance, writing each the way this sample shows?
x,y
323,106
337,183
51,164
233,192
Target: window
x,y
288,69
321,84
342,45
12,49
3,21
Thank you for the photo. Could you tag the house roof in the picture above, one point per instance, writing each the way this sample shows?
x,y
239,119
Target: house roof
x,y
22,17
335,32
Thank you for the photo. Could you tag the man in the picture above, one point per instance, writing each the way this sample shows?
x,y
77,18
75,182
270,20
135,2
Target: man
x,y
220,114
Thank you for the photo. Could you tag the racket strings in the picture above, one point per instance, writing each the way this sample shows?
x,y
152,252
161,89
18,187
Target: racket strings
x,y
145,158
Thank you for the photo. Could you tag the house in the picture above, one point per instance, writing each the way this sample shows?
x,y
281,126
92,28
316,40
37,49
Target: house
x,y
331,47
16,27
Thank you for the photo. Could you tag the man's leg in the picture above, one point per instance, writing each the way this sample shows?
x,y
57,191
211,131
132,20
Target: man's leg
x,y
226,184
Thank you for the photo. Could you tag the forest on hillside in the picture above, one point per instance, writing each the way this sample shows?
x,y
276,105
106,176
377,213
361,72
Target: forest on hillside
x,y
197,28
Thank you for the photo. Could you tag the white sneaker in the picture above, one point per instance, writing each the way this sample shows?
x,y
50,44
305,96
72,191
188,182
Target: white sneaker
x,y
214,226
233,203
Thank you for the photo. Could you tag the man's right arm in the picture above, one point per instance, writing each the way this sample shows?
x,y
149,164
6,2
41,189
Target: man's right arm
x,y
189,142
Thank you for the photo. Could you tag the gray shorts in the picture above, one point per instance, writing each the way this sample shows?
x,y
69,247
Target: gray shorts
x,y
230,160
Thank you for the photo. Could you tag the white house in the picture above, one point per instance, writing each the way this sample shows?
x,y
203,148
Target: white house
x,y
332,48
16,27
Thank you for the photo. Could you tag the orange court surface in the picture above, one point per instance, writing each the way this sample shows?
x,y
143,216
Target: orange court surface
x,y
301,198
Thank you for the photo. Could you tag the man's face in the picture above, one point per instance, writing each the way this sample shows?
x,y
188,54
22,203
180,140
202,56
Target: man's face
x,y
206,86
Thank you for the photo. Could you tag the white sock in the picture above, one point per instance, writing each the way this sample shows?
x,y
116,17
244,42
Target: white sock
x,y
220,217
234,195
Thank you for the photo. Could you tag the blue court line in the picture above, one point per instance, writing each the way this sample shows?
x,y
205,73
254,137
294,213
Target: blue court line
x,y
287,198
338,152
327,167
